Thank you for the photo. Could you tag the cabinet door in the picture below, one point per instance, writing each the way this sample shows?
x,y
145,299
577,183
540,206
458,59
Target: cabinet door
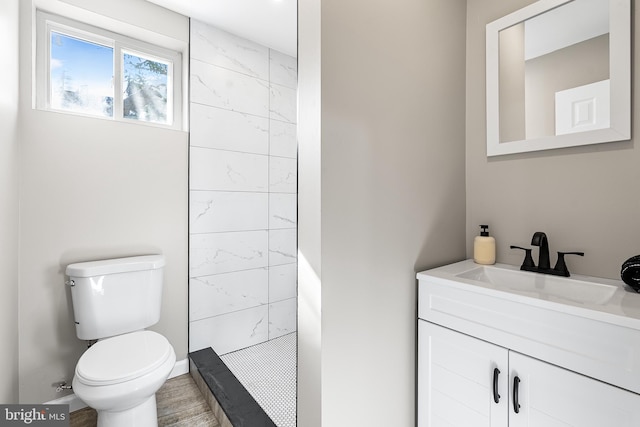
x,y
456,380
550,396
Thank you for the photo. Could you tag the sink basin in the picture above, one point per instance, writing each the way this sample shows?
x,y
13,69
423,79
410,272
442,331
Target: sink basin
x,y
542,286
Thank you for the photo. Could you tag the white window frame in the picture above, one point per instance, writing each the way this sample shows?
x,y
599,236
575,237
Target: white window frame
x,y
46,23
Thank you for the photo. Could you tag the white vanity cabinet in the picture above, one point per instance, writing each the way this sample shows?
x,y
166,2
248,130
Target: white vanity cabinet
x,y
455,379
550,396
486,360
467,382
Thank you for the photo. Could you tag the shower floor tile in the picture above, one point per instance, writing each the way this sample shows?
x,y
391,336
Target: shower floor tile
x,y
268,372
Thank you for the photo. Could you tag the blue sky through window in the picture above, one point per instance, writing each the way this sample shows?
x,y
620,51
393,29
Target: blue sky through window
x,y
81,75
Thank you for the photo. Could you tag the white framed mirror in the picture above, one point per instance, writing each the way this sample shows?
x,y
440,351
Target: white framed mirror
x,y
559,75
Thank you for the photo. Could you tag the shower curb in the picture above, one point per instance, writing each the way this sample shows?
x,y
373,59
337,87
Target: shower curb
x,y
229,400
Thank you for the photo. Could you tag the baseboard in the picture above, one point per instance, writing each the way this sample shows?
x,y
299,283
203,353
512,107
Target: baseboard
x,y
180,368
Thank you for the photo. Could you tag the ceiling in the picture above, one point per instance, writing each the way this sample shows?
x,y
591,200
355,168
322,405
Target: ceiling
x,y
272,23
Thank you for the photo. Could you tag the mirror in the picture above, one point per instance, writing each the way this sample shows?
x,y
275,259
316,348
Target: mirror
x,y
559,75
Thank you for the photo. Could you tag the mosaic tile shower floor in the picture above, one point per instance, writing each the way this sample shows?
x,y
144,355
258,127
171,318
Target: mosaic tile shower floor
x,y
268,372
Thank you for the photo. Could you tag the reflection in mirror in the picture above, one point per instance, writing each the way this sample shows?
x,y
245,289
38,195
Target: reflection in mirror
x,y
540,74
558,75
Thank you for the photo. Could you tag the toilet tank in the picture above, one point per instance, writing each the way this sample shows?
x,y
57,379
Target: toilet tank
x,y
116,296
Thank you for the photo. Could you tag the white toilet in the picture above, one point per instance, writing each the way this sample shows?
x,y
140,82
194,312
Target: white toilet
x,y
113,301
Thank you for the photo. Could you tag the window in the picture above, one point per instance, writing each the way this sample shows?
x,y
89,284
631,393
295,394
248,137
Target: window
x,y
80,76
145,87
90,71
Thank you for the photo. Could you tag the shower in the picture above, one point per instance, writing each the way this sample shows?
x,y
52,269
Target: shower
x,y
243,213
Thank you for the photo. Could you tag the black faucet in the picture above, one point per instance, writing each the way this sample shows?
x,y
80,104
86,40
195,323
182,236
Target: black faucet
x,y
540,239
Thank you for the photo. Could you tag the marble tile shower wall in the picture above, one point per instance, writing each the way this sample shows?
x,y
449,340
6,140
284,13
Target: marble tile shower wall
x,y
242,235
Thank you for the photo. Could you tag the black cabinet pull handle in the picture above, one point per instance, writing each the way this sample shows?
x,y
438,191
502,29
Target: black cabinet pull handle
x,y
496,396
516,387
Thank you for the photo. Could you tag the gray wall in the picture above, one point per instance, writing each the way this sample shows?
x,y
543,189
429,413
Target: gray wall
x,y
9,201
91,189
511,83
584,198
309,404
391,188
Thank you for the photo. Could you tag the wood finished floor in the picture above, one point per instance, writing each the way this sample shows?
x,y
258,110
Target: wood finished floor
x,y
179,403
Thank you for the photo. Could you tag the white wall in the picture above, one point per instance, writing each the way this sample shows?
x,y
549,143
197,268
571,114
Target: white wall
x,y
584,198
9,200
391,189
242,285
91,189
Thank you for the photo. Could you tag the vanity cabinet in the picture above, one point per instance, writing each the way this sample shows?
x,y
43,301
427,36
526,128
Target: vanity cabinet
x,y
455,379
493,355
467,382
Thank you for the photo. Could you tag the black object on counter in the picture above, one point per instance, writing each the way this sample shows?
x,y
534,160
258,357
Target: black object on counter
x,y
630,272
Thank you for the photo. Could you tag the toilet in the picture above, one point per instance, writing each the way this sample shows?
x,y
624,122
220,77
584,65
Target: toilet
x,y
113,302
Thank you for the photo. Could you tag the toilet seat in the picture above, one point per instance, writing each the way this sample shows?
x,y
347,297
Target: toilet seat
x,y
123,358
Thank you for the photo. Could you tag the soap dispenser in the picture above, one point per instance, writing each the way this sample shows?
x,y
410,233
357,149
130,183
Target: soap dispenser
x,y
484,247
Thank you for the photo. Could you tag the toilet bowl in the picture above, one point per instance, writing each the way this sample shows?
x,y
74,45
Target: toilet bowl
x,y
113,302
119,377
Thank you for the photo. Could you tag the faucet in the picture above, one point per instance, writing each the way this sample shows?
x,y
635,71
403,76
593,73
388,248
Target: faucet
x,y
540,239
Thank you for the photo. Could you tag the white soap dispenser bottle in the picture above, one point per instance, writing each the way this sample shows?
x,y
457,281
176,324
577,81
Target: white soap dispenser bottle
x,y
484,247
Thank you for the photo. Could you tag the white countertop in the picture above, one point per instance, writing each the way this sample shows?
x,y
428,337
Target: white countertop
x,y
623,308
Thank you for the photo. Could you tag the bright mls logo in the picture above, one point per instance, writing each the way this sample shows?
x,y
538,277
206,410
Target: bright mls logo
x,y
34,415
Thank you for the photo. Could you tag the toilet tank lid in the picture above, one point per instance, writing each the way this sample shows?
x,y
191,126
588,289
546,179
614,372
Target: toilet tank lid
x,y
116,265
